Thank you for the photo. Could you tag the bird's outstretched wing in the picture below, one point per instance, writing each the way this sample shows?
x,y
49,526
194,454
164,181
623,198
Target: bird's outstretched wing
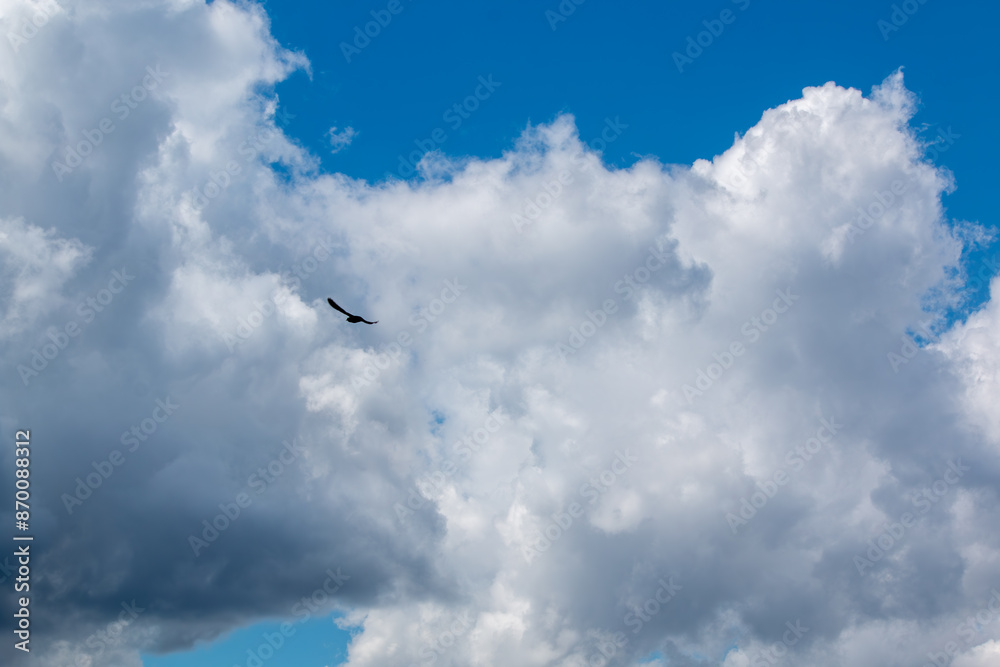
x,y
336,307
353,319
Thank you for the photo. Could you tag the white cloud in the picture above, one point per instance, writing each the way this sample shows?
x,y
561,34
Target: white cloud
x,y
727,238
982,656
36,266
342,139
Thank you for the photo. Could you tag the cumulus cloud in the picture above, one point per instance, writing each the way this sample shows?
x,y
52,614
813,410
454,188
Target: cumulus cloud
x,y
667,408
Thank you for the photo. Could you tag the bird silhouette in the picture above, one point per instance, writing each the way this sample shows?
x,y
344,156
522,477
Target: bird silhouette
x,y
354,319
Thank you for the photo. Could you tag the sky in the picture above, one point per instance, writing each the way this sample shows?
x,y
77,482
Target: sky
x,y
686,350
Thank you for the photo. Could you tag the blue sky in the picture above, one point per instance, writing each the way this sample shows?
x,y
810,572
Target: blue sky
x,y
510,465
606,60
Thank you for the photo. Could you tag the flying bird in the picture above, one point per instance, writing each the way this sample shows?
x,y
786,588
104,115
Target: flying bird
x,y
354,319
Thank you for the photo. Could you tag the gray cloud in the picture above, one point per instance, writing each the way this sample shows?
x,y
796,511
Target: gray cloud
x,y
727,237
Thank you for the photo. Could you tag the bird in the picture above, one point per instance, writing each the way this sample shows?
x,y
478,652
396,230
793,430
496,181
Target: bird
x,y
354,319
